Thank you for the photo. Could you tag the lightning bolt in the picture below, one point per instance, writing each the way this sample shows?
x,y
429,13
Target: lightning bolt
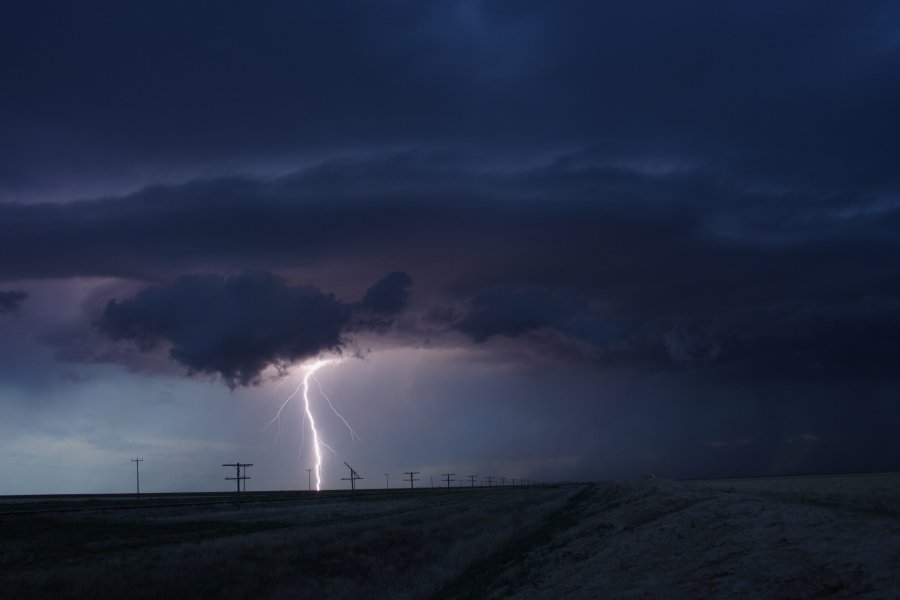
x,y
317,450
302,389
324,391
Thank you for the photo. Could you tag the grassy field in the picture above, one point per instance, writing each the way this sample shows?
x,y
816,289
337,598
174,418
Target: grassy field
x,y
800,537
397,545
876,493
783,538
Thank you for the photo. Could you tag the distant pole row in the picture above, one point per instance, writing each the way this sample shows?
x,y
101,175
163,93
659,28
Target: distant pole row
x,y
448,478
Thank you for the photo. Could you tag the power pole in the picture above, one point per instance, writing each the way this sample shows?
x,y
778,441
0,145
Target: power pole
x,y
387,481
238,477
472,479
447,478
137,472
412,478
503,481
353,477
432,481
490,480
245,478
309,479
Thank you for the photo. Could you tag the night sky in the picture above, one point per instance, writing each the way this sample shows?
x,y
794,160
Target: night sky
x,y
545,240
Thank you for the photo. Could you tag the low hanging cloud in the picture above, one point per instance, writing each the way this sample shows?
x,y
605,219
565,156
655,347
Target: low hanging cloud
x,y
859,338
514,310
237,326
11,301
389,295
574,258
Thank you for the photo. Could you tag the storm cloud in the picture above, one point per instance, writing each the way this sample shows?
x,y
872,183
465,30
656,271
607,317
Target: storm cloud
x,y
11,300
651,83
595,254
505,310
699,201
237,326
389,295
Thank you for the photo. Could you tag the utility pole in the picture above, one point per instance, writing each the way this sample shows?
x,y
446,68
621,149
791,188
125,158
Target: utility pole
x,y
490,479
387,481
309,479
472,479
447,478
238,477
503,481
432,481
412,478
353,477
137,472
244,480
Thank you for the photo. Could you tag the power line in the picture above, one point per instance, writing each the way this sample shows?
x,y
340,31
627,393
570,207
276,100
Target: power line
x,y
447,478
137,472
353,476
238,477
245,478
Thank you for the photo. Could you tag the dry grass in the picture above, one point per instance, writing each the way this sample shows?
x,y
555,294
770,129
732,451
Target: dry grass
x,y
664,539
383,547
773,538
875,493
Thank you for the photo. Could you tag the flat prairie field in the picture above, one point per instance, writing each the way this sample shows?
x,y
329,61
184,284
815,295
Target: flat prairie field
x,y
822,537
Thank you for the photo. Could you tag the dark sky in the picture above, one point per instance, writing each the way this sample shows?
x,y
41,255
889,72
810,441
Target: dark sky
x,y
546,240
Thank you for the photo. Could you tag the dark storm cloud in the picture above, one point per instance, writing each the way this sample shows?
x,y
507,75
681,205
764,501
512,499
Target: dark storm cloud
x,y
11,300
677,268
811,340
235,326
389,295
701,196
574,207
510,311
799,93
